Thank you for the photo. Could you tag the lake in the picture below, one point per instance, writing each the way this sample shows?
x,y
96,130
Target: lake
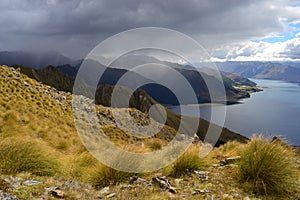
x,y
274,111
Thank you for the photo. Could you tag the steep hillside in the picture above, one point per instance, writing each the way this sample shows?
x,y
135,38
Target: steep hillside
x,y
38,135
26,103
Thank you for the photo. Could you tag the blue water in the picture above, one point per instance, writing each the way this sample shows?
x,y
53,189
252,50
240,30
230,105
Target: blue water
x,y
274,111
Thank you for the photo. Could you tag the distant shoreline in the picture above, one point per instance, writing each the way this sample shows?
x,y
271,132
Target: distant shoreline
x,y
206,104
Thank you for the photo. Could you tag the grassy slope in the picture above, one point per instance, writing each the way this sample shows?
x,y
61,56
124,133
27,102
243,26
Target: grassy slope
x,y
36,117
31,109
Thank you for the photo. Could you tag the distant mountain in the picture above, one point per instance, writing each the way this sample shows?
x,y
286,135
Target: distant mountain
x,y
129,61
111,75
262,70
292,64
160,93
34,60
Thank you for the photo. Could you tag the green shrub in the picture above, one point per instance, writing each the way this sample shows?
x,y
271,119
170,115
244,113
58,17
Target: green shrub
x,y
21,155
268,167
188,162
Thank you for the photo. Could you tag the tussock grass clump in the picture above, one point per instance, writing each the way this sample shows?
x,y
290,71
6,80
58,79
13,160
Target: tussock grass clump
x,y
268,167
81,166
22,155
188,162
155,145
228,149
104,176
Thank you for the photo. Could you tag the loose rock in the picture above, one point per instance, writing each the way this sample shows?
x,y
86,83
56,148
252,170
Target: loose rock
x,y
103,192
135,179
26,84
111,195
58,193
196,139
178,181
31,182
164,184
72,184
199,191
230,160
4,185
13,181
7,196
202,174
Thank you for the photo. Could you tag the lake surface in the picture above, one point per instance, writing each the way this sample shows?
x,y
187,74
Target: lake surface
x,y
274,111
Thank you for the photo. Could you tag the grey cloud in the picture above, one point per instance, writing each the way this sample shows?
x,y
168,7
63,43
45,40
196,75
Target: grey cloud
x,y
67,24
292,49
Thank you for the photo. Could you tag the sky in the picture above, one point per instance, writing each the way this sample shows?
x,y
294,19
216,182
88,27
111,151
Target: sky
x,y
263,30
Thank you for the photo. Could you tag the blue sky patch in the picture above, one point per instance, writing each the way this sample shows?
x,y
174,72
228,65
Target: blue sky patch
x,y
282,37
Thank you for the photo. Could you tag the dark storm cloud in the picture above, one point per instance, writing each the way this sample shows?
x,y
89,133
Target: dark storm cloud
x,y
74,26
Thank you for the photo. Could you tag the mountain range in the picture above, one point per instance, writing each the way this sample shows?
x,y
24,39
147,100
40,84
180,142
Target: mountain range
x,y
263,70
198,79
34,60
285,71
